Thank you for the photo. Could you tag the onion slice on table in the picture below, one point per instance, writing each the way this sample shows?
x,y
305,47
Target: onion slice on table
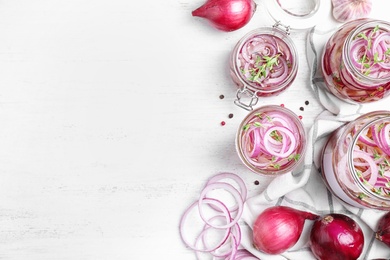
x,y
219,234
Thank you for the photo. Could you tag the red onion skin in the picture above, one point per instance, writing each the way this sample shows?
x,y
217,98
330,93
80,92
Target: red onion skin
x,y
278,228
383,230
336,236
227,15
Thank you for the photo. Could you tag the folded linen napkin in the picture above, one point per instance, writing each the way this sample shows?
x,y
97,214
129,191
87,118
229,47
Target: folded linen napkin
x,y
305,190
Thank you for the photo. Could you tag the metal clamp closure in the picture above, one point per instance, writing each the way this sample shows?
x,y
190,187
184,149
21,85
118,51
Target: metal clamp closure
x,y
253,98
286,27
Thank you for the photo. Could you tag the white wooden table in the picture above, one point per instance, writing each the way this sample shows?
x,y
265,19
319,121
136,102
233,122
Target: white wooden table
x,y
110,116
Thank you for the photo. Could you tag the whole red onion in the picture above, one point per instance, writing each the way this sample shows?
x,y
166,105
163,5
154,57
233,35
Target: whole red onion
x,y
278,228
383,229
227,15
336,236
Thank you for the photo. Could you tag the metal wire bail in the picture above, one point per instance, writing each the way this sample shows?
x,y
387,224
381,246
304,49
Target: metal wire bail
x,y
253,98
286,27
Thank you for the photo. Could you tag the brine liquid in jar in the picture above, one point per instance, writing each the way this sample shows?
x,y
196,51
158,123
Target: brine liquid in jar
x,y
356,161
271,140
264,62
356,61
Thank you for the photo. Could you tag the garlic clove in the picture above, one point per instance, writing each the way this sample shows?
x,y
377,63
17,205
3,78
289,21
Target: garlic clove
x,y
347,10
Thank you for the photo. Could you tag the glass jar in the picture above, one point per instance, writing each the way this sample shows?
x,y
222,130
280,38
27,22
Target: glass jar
x,y
356,161
263,63
356,61
271,140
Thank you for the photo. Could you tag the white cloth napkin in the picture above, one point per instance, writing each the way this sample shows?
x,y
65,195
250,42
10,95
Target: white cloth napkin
x,y
306,190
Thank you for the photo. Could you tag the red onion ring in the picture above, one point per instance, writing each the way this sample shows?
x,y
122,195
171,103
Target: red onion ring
x,y
381,44
194,247
279,75
254,53
229,231
270,139
371,157
231,176
379,66
370,163
230,246
290,146
233,191
366,139
371,44
226,248
384,135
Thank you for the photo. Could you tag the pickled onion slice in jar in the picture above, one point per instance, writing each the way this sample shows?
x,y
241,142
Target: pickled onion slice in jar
x,y
370,52
265,60
271,140
356,61
371,158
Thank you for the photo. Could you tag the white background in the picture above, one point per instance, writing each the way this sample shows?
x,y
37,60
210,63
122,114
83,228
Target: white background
x,y
110,124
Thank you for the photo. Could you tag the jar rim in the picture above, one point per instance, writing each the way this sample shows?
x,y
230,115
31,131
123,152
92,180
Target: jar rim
x,y
301,20
281,35
350,160
302,133
366,24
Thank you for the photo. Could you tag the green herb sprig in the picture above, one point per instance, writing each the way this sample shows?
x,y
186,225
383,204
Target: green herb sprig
x,y
367,61
263,65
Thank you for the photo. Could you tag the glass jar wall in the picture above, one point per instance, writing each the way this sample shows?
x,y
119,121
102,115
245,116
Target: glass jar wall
x,y
356,161
356,61
263,63
271,140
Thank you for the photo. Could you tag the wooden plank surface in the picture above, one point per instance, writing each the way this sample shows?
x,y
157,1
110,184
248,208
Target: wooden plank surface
x,y
110,117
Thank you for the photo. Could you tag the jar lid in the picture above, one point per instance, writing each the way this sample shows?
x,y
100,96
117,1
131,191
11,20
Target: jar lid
x,y
313,14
